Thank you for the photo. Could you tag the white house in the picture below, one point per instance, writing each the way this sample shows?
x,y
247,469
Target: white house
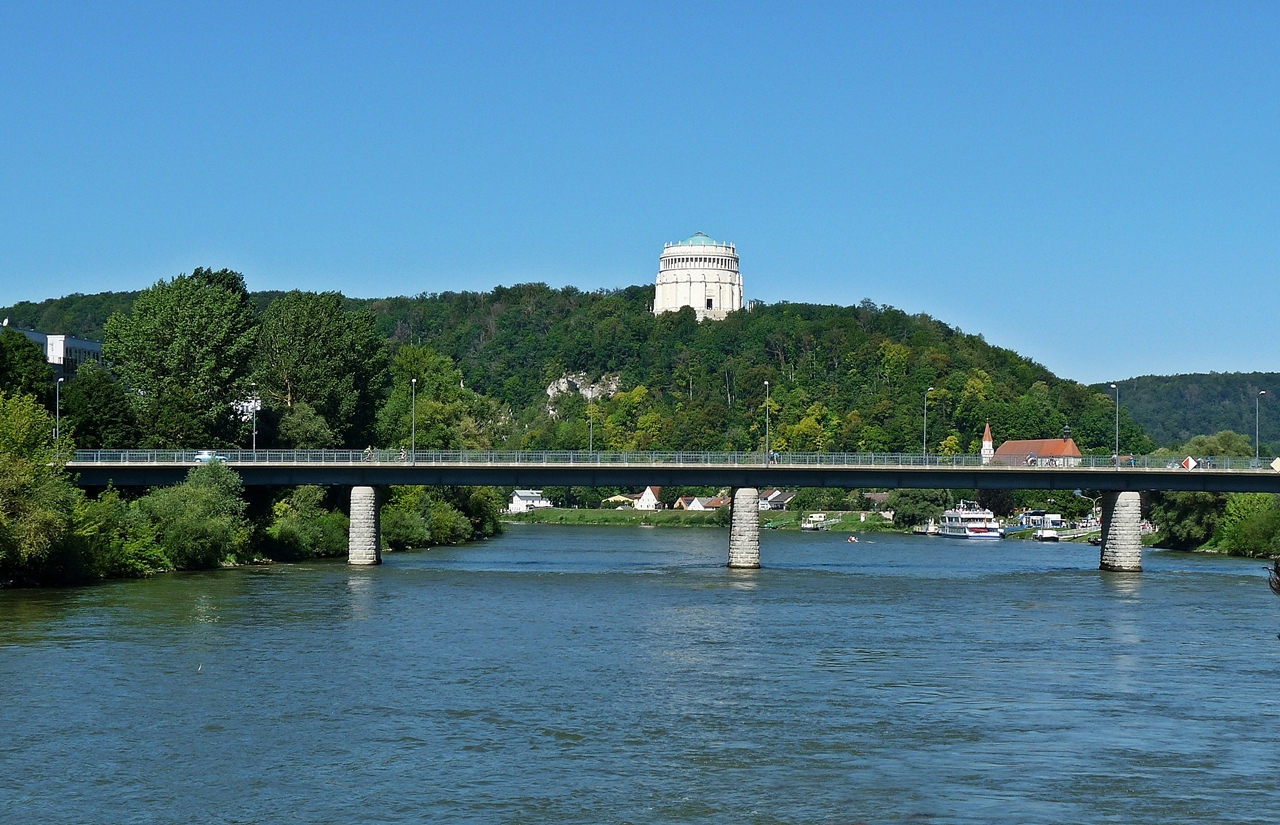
x,y
522,501
649,499
775,499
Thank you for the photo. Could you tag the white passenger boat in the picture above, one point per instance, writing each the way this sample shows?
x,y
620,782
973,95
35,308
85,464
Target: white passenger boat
x,y
969,521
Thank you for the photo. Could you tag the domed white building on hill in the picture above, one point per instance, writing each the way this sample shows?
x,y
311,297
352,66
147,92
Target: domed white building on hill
x,y
699,272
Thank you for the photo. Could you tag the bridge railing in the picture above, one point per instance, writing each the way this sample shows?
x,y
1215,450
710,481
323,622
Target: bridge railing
x,y
678,458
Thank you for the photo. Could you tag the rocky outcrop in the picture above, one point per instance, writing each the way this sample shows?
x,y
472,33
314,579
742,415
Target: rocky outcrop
x,y
579,383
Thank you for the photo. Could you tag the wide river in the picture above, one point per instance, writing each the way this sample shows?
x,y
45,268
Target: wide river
x,y
624,675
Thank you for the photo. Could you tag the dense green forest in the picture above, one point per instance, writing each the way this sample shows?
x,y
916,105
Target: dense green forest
x,y
841,378
1174,408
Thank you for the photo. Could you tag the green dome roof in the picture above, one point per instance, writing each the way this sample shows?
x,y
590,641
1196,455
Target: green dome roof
x,y
700,239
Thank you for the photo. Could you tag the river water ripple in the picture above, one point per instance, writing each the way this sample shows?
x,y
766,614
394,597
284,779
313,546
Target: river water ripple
x,y
624,675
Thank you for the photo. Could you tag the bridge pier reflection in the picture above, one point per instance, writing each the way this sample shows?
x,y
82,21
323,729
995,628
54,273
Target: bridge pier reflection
x,y
364,543
744,528
1121,532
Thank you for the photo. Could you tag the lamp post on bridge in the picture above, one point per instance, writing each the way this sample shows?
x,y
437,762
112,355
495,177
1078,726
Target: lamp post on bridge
x,y
924,446
1117,389
57,413
413,422
591,431
1257,413
768,457
255,402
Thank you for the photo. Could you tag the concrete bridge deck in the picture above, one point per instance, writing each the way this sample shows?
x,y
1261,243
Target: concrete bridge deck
x,y
724,469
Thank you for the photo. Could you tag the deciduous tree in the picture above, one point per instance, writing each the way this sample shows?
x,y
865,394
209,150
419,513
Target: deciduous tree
x,y
312,351
186,351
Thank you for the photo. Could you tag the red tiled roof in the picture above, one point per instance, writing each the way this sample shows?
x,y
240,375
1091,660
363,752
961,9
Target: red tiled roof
x,y
1041,447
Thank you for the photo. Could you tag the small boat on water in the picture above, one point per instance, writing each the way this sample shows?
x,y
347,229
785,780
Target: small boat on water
x,y
1045,534
929,528
969,521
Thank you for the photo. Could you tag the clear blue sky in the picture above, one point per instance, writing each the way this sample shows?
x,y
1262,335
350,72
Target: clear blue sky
x,y
1094,185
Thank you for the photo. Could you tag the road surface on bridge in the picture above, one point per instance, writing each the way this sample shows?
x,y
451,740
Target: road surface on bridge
x,y
125,468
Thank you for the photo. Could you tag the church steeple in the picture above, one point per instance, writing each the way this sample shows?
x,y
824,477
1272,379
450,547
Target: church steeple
x,y
988,445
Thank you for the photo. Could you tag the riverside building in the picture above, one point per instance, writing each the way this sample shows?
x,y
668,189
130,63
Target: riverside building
x,y
699,272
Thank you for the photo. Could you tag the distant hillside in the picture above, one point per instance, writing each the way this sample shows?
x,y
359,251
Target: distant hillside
x,y
84,315
75,314
1173,408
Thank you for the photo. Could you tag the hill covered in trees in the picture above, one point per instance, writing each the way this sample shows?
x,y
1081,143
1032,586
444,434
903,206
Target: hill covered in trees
x,y
1175,408
841,378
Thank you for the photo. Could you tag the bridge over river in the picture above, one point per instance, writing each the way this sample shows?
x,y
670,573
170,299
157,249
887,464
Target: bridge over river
x,y
366,470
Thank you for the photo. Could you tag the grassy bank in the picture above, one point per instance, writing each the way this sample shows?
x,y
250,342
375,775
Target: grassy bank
x,y
621,518
837,522
771,519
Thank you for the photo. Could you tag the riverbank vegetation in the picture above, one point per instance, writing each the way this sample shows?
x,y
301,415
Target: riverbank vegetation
x,y
52,532
1241,524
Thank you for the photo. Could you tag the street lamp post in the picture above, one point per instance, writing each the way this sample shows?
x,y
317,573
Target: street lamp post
x,y
767,454
1093,500
591,432
255,403
1117,389
57,412
924,446
413,422
1257,413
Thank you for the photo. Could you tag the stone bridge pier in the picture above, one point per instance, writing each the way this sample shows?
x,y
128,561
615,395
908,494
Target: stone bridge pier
x,y
744,528
1122,532
364,543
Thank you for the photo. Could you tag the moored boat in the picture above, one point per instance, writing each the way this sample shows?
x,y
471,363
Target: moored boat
x,y
815,521
969,521
1045,534
929,528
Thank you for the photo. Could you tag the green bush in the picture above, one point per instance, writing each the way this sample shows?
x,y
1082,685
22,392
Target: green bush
x,y
114,539
1250,525
416,516
302,528
912,507
1187,521
36,497
200,522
